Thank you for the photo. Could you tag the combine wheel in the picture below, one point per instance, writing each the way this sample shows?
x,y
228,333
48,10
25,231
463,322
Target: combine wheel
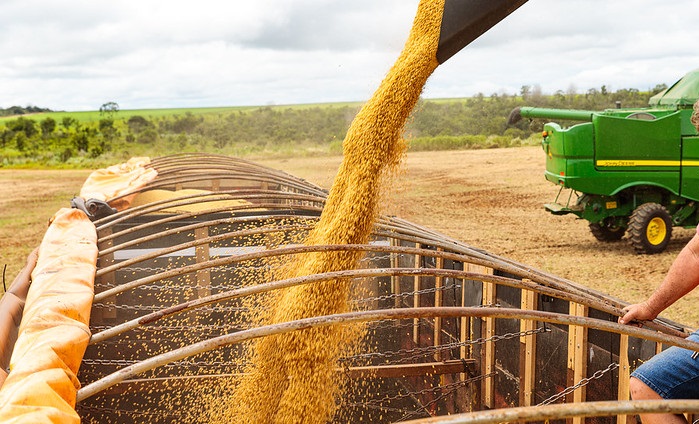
x,y
650,228
606,230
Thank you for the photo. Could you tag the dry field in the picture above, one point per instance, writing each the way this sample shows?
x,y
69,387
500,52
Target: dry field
x,y
28,199
490,199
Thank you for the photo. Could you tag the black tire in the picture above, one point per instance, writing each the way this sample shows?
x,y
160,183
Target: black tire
x,y
606,231
650,228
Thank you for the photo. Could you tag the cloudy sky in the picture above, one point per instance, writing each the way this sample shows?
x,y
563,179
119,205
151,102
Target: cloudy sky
x,y
80,54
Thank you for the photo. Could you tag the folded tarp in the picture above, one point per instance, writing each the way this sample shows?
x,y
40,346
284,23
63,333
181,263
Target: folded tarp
x,y
117,180
41,386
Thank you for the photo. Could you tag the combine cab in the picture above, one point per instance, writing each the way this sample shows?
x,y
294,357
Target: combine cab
x,y
633,171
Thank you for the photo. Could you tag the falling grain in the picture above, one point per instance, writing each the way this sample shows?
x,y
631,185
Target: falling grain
x,y
291,378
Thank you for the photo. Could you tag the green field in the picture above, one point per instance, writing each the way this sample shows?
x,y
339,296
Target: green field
x,y
94,139
95,116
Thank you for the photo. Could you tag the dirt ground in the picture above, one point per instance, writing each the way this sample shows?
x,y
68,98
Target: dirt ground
x,y
28,199
490,199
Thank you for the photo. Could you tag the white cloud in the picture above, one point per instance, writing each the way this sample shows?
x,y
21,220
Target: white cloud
x,y
78,54
588,43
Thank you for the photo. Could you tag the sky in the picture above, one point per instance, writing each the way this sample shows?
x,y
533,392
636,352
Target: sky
x,y
79,54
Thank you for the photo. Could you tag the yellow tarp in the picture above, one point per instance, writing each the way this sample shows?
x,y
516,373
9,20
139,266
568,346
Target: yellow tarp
x,y
116,180
53,335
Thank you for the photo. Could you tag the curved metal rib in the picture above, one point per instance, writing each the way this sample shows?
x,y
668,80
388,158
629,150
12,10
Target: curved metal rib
x,y
374,315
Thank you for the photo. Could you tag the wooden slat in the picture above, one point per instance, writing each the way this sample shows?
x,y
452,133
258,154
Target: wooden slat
x,y
488,331
465,331
470,399
416,298
570,364
395,280
468,333
438,284
624,374
527,352
577,359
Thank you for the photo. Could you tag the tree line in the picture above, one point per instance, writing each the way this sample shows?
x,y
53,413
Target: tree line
x,y
476,122
19,110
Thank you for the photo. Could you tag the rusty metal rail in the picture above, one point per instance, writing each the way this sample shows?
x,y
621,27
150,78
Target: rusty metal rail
x,y
374,315
569,410
260,196
360,273
197,225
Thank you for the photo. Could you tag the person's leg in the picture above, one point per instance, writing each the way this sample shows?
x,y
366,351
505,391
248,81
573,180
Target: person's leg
x,y
641,391
671,374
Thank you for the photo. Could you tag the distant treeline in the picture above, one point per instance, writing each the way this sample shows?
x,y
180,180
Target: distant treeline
x,y
477,122
19,110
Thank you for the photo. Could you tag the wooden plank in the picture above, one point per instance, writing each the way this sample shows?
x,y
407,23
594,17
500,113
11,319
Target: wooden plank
x,y
465,332
201,252
488,331
577,358
438,285
395,280
468,333
527,351
570,364
624,374
416,297
465,327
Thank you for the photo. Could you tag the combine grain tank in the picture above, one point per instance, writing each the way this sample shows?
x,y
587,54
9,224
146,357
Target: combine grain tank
x,y
633,171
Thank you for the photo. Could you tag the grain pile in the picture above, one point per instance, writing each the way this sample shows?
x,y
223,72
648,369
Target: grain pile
x,y
291,377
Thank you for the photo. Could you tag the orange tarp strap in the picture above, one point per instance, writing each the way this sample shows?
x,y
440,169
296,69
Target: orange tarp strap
x,y
53,335
116,180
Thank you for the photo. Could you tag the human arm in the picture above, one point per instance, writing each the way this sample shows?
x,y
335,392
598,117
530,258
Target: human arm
x,y
11,307
682,277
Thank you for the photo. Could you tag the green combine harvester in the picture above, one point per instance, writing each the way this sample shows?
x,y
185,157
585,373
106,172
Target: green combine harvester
x,y
633,171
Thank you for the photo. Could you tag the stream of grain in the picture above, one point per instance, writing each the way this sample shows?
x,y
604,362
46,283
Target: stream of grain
x,y
291,378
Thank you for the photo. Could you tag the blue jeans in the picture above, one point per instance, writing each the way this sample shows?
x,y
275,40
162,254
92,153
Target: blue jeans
x,y
673,373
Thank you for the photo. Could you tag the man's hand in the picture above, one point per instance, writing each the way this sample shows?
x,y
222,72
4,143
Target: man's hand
x,y
637,312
